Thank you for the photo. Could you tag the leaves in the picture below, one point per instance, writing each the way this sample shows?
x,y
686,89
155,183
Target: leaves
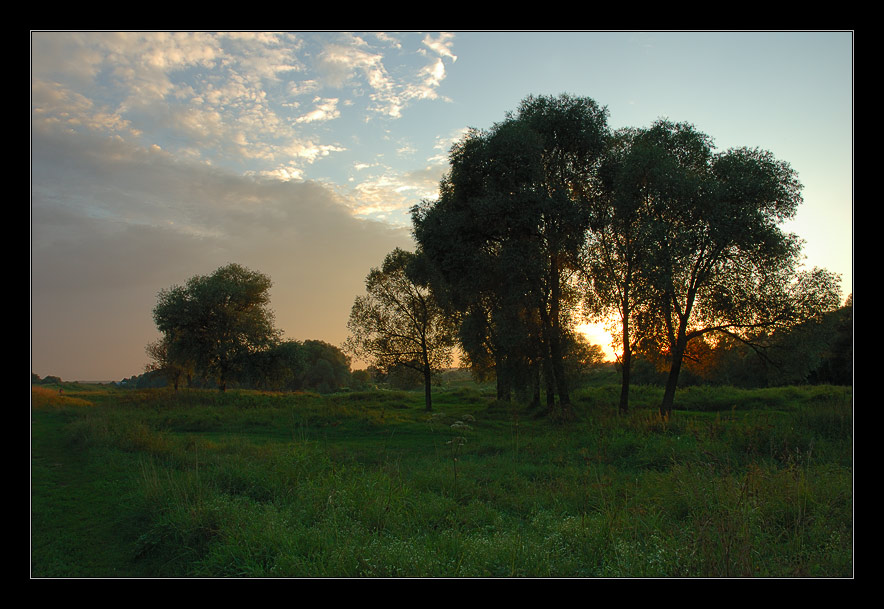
x,y
214,321
398,321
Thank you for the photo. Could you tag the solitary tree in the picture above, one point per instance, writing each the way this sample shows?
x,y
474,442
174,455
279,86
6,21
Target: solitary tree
x,y
399,323
215,320
721,263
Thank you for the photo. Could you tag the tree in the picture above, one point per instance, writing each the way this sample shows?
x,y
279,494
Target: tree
x,y
399,323
504,235
279,367
167,361
618,242
214,321
326,367
837,365
722,264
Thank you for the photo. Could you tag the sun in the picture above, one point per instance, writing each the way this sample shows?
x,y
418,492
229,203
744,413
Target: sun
x,y
598,335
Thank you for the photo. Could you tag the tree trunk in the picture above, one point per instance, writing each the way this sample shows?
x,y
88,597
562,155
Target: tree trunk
x,y
535,373
678,351
624,384
555,346
627,351
672,382
504,384
428,381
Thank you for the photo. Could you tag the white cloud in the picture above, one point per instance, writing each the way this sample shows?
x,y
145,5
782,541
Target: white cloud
x,y
389,195
54,103
441,45
344,60
326,110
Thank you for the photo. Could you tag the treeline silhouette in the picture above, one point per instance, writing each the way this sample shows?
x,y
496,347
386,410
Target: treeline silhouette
x,y
291,365
818,353
551,213
547,217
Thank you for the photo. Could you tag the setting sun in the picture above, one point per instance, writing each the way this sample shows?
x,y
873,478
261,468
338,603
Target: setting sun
x,y
598,335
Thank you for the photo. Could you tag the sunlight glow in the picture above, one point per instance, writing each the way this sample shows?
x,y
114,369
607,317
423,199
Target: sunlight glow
x,y
596,334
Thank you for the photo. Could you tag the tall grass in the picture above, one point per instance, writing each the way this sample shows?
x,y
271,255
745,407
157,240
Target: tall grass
x,y
368,485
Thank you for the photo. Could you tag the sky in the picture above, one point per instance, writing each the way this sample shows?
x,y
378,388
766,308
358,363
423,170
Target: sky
x,y
158,156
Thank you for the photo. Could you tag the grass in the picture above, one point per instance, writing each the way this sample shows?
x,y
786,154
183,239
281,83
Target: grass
x,y
367,484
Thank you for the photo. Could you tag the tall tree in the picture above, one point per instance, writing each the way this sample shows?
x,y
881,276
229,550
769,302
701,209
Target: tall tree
x,y
399,323
504,234
618,242
723,264
215,320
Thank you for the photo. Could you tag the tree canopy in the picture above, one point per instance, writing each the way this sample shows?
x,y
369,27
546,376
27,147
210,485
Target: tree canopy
x,y
676,240
399,323
213,322
504,235
721,263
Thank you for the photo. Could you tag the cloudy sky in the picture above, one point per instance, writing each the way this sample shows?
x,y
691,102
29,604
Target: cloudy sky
x,y
157,156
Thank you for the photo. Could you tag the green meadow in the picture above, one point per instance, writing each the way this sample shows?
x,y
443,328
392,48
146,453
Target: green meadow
x,y
194,483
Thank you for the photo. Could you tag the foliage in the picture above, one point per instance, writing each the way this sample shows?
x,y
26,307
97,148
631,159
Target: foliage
x,y
503,237
817,351
723,265
213,322
47,380
165,361
836,361
327,368
398,322
616,261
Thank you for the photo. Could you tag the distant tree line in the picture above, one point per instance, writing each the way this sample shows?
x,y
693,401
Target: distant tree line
x,y
46,380
217,331
815,352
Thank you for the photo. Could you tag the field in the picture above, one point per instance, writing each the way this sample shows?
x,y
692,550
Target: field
x,y
738,483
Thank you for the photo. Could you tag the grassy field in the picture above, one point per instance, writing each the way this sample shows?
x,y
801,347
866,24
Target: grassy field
x,y
152,483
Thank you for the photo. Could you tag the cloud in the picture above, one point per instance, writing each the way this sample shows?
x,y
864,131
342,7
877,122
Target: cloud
x,y
326,110
160,155
390,80
349,58
112,224
54,103
441,45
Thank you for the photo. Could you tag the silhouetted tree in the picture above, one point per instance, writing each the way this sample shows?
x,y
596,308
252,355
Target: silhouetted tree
x,y
722,264
279,367
326,367
504,235
168,361
214,321
836,367
399,323
619,243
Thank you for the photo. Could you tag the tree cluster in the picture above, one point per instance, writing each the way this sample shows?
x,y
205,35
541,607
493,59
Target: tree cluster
x,y
218,331
46,380
550,212
546,218
814,352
